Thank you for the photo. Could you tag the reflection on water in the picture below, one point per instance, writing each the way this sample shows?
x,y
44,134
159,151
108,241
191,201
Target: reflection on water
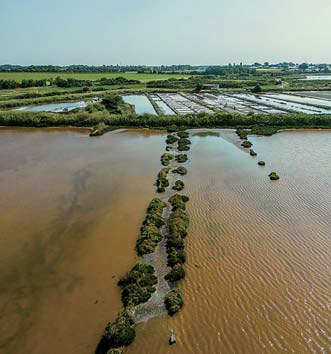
x,y
258,267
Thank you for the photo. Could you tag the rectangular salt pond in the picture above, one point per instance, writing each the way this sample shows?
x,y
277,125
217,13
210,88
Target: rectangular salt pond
x,y
282,104
56,107
300,99
140,102
316,77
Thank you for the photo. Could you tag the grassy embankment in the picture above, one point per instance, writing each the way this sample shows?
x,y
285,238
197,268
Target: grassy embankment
x,y
262,123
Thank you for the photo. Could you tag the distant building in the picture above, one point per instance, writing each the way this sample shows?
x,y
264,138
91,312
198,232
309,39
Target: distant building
x,y
210,86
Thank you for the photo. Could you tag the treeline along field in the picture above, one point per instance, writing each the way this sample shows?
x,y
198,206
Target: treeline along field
x,y
19,76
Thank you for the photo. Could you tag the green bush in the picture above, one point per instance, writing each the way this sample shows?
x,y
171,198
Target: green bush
x,y
246,144
180,170
174,301
175,255
166,158
179,185
171,139
121,332
150,234
273,176
252,152
181,158
137,285
178,201
183,134
176,273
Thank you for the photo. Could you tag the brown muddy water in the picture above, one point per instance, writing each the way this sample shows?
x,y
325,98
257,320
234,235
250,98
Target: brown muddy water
x,y
259,264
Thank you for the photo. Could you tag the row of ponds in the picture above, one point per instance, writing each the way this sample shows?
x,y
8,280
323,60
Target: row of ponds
x,y
178,104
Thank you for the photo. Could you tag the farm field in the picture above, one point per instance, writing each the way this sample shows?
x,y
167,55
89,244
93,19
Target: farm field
x,y
19,76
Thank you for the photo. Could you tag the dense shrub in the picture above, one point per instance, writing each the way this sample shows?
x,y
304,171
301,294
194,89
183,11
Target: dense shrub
x,y
178,201
162,181
176,273
183,134
246,144
121,332
179,185
175,255
171,139
180,170
181,158
174,301
137,285
150,234
166,158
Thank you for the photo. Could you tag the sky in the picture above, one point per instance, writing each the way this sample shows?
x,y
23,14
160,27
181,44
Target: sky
x,y
155,32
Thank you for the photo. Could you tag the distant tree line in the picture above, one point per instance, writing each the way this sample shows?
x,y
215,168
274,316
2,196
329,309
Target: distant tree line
x,y
12,84
230,70
101,69
65,83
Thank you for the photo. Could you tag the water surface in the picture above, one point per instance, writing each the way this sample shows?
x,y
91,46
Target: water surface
x,y
258,252
56,107
70,210
141,103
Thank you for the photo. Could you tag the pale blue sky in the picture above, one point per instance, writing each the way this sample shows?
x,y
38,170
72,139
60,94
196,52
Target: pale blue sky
x,y
164,31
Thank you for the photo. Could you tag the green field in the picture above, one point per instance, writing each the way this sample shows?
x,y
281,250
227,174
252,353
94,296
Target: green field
x,y
88,76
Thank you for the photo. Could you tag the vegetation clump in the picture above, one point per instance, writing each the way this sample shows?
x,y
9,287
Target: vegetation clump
x,y
252,152
179,185
183,144
178,201
242,133
180,170
174,301
181,158
273,176
246,144
162,181
137,285
183,134
177,225
176,273
150,234
99,129
172,129
118,334
166,158
171,139
261,163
